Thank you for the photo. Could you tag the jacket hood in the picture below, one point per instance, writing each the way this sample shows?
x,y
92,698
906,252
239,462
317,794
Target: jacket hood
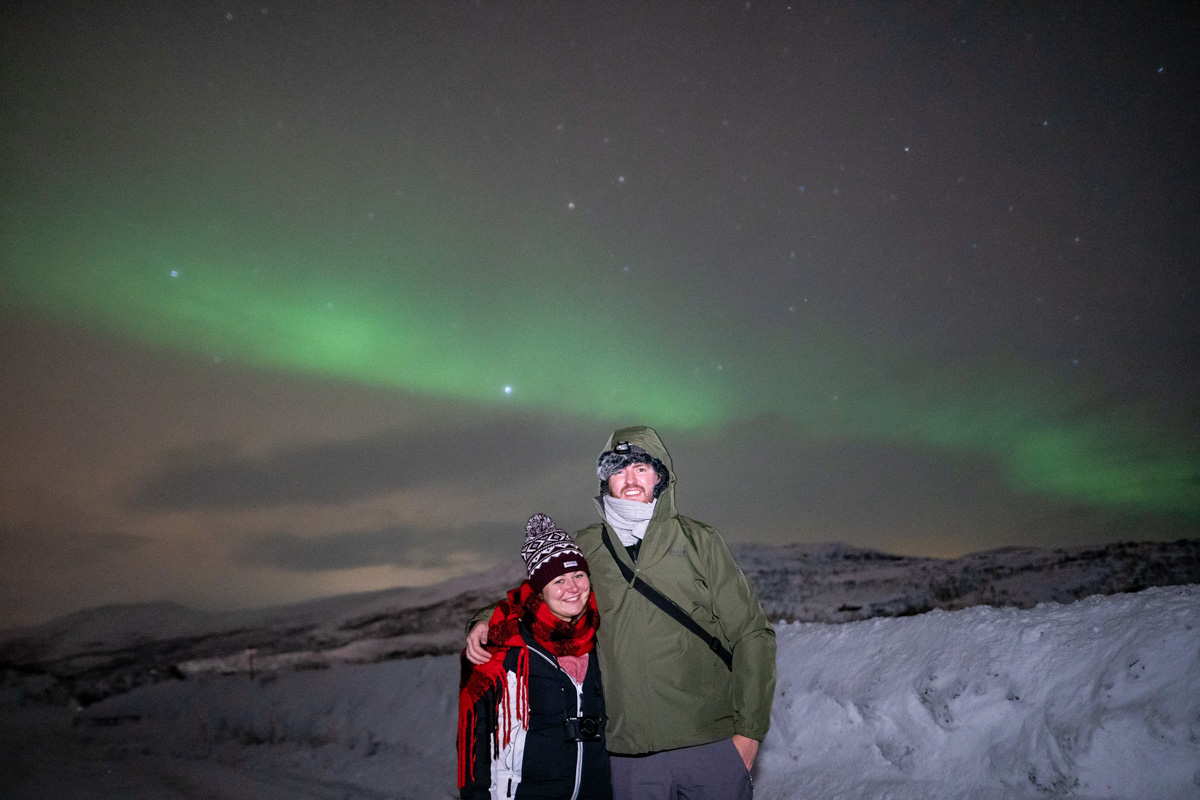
x,y
647,439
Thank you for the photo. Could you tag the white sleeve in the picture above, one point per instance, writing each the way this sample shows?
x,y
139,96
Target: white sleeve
x,y
506,768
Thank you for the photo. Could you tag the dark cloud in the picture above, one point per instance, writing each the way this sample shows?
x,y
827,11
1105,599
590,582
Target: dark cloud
x,y
394,546
768,481
481,454
23,545
768,462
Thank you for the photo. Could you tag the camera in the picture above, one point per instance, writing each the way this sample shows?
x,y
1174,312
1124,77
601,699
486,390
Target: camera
x,y
582,729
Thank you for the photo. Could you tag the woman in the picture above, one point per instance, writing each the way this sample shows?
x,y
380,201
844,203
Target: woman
x,y
531,720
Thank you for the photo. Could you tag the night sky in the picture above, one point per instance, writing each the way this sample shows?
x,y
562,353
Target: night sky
x,y
312,297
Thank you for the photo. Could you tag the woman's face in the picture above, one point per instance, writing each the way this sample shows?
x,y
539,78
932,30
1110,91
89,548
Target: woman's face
x,y
566,596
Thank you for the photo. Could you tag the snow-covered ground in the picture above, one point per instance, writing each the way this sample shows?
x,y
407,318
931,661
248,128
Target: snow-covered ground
x,y
1096,699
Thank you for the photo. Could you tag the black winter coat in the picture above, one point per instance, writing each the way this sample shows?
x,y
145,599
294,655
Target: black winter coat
x,y
541,763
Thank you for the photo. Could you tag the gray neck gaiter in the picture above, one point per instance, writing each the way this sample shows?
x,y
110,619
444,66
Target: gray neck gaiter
x,y
628,518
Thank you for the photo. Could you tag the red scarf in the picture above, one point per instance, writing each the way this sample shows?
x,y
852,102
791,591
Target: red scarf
x,y
559,637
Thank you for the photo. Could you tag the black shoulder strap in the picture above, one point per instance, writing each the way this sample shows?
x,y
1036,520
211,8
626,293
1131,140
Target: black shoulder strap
x,y
667,605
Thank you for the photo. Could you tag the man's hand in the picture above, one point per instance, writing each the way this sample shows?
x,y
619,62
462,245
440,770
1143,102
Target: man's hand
x,y
477,654
747,748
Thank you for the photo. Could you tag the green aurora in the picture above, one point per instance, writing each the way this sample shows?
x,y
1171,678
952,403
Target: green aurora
x,y
441,315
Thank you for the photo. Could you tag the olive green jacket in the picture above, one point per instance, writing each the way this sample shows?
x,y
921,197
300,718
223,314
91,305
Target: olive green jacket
x,y
664,688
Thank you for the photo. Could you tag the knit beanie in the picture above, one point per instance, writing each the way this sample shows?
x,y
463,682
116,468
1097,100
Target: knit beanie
x,y
621,456
549,552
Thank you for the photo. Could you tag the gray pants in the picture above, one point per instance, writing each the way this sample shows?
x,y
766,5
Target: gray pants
x,y
704,772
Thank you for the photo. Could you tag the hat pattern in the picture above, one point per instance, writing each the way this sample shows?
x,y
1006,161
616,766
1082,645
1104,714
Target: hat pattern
x,y
549,552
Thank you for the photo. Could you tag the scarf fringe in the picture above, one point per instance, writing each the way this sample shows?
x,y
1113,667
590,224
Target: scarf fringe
x,y
504,722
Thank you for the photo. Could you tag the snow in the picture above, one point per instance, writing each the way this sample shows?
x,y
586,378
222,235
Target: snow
x,y
1094,699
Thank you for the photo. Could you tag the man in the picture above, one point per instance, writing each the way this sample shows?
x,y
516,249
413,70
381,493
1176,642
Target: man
x,y
679,717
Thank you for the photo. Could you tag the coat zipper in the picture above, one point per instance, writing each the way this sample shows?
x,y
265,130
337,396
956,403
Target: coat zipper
x,y
578,711
579,744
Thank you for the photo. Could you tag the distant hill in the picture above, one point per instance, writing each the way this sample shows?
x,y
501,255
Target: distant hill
x,y
838,583
92,654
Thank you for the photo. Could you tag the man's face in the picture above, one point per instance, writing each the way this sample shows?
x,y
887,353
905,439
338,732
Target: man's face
x,y
635,482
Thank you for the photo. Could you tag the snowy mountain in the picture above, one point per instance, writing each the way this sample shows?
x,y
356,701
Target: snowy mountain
x,y
89,655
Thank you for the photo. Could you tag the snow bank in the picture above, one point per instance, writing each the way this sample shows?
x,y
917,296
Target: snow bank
x,y
387,728
1098,699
